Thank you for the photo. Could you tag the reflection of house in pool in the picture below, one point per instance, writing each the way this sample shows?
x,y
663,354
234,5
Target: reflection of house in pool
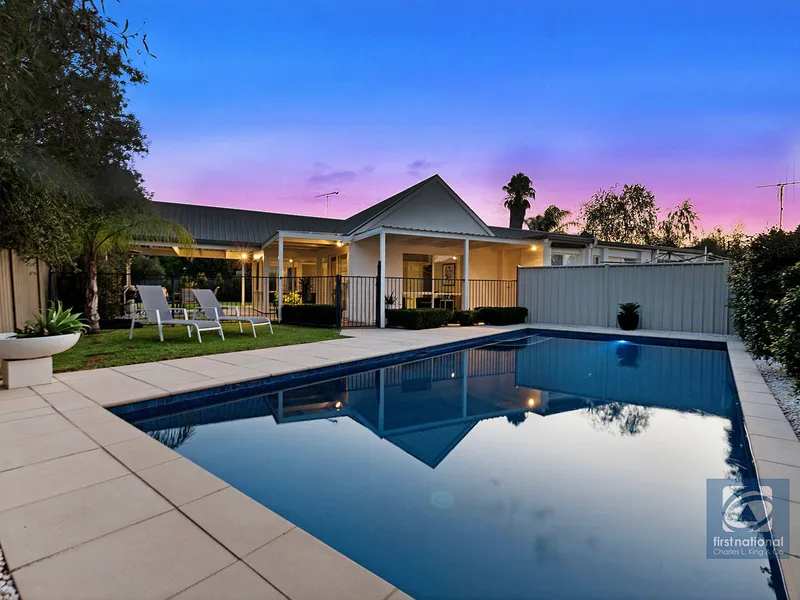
x,y
427,407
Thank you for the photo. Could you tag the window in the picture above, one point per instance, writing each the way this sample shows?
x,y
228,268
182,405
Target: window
x,y
558,260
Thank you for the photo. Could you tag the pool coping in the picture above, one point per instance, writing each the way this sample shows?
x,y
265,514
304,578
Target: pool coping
x,y
157,468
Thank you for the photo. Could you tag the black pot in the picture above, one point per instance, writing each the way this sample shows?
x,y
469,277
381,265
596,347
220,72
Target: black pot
x,y
628,322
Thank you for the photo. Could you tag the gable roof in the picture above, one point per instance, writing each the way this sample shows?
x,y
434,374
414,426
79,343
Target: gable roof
x,y
368,214
215,225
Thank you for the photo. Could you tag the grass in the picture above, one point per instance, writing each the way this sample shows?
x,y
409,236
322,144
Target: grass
x,y
113,348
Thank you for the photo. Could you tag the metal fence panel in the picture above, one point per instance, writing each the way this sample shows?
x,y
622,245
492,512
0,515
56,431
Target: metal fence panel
x,y
690,297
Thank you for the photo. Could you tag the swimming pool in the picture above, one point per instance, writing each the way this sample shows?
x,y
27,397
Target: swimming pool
x,y
545,467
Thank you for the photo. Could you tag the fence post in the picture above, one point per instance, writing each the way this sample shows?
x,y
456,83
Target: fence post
x,y
338,301
378,298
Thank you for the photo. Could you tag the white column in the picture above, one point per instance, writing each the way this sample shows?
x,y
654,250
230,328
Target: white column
x,y
603,254
465,294
547,253
381,399
464,373
382,281
280,275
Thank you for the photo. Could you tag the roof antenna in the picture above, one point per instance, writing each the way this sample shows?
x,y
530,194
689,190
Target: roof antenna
x,y
780,187
327,199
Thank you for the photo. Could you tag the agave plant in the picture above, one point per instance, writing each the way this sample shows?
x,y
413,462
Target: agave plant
x,y
56,320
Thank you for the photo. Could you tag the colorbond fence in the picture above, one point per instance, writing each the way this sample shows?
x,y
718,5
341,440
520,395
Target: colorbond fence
x,y
690,297
23,289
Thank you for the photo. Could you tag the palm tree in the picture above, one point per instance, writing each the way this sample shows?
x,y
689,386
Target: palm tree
x,y
118,231
518,191
553,219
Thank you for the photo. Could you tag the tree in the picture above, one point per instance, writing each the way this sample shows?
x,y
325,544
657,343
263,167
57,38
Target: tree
x,y
68,187
629,217
553,219
758,282
678,229
727,244
519,191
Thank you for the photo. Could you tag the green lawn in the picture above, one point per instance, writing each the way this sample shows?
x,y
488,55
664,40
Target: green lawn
x,y
113,348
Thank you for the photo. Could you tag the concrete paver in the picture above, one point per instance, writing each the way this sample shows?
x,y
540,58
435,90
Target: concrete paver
x,y
34,531
151,560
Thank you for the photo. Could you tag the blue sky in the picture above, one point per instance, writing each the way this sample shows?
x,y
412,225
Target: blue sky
x,y
262,105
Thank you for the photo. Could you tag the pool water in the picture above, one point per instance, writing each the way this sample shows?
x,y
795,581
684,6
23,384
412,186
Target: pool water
x,y
543,468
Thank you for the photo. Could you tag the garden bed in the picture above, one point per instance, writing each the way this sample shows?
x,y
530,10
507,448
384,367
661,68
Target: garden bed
x,y
782,387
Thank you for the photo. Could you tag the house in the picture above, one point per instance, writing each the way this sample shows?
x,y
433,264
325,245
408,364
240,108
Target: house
x,y
433,248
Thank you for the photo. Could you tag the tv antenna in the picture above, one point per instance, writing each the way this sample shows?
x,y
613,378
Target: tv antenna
x,y
780,187
327,200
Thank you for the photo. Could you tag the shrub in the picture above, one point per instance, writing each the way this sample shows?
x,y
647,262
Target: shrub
x,y
786,331
309,314
464,317
418,318
55,320
292,299
757,286
501,316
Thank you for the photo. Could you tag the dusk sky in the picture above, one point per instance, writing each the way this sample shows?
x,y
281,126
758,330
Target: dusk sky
x,y
263,105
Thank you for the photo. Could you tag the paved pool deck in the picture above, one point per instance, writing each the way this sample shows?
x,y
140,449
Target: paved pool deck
x,y
93,508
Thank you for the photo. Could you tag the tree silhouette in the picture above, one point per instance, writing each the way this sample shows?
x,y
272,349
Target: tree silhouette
x,y
519,191
630,216
678,229
553,219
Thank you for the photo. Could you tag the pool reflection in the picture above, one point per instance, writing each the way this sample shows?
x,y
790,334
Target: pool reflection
x,y
543,468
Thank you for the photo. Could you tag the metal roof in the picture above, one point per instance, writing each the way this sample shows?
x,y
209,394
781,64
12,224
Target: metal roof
x,y
215,225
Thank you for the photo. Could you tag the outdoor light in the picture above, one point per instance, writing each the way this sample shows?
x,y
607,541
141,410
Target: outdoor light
x,y
454,258
244,255
533,247
531,402
291,260
339,243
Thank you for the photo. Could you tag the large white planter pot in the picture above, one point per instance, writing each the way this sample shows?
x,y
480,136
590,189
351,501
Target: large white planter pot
x,y
28,361
14,348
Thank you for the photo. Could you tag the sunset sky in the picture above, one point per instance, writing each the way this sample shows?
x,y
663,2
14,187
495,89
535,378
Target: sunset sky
x,y
263,105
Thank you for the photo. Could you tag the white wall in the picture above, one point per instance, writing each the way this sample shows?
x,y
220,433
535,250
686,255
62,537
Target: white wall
x,y
690,297
431,208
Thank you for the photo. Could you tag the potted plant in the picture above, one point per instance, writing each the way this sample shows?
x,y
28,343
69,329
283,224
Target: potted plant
x,y
628,316
389,300
26,355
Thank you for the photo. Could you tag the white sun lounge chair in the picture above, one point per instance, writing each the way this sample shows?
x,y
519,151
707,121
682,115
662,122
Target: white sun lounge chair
x,y
154,302
213,310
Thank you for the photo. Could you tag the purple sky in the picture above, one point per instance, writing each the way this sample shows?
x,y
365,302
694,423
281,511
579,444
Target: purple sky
x,y
263,105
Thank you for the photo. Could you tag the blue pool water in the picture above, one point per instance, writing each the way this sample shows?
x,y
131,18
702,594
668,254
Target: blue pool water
x,y
550,468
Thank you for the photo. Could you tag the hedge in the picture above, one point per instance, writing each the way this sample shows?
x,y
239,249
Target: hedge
x,y
501,316
309,314
418,318
464,317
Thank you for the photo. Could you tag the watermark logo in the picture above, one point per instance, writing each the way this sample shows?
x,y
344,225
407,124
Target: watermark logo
x,y
748,518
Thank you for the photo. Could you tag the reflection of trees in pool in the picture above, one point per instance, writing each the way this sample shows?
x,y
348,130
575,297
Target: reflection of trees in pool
x,y
174,437
626,419
738,459
517,419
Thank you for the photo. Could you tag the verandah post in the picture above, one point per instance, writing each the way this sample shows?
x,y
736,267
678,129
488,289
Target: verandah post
x,y
338,301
